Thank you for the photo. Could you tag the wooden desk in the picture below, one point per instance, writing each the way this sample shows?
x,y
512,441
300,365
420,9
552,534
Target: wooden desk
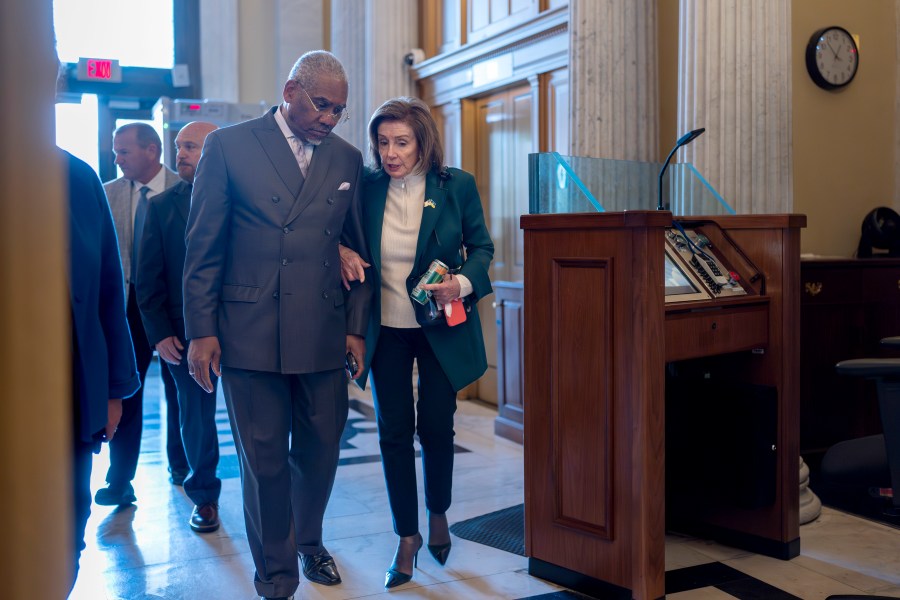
x,y
597,340
846,307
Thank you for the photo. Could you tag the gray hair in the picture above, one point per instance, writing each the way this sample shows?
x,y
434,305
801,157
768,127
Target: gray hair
x,y
313,65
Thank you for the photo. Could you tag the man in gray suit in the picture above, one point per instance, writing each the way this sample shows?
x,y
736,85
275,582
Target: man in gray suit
x,y
264,309
138,150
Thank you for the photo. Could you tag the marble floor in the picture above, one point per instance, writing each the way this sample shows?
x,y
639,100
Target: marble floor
x,y
147,551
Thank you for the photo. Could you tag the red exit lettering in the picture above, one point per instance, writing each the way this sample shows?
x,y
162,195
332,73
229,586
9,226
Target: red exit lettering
x,y
99,69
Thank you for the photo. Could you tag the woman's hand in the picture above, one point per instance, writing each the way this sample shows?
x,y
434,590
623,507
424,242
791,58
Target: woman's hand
x,y
446,291
353,267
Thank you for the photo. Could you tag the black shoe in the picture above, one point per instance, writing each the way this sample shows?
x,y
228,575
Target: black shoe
x,y
115,495
320,568
178,476
278,598
205,518
437,527
440,552
394,575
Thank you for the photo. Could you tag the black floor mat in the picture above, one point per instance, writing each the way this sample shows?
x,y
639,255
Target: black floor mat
x,y
503,529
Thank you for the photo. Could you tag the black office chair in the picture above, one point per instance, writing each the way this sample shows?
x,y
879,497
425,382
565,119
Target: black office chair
x,y
872,461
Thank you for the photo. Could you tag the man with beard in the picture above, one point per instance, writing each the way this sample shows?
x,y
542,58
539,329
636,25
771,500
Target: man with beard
x,y
158,290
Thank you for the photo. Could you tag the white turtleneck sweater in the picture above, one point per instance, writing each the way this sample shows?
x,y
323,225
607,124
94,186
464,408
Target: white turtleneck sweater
x,y
399,235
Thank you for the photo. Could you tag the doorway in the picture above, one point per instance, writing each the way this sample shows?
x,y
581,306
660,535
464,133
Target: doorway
x,y
503,138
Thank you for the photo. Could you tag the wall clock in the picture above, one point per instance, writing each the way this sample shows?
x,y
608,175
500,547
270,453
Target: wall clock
x,y
832,58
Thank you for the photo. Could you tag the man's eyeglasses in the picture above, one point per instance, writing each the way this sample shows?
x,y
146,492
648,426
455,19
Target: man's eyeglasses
x,y
338,115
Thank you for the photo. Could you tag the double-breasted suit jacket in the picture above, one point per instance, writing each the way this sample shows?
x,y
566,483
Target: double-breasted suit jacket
x,y
262,270
453,231
119,193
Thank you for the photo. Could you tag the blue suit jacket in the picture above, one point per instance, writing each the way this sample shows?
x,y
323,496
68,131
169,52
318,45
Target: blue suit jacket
x,y
161,263
103,358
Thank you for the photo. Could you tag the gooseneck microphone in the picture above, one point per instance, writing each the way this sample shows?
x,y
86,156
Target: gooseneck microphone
x,y
684,140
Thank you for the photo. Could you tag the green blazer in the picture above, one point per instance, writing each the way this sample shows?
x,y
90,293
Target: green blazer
x,y
455,221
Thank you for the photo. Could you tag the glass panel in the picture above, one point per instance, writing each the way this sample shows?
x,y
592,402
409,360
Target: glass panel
x,y
139,33
76,129
571,184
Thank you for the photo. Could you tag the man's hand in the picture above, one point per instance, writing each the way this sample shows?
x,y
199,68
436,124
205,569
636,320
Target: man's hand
x,y
204,354
353,267
446,291
356,345
113,416
169,349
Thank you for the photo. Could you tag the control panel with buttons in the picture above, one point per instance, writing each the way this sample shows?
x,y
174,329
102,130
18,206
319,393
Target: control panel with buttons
x,y
695,262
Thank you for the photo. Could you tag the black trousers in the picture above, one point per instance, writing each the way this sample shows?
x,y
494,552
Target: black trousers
x,y
400,418
82,460
125,447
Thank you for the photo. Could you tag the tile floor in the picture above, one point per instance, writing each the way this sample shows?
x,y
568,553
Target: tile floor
x,y
147,551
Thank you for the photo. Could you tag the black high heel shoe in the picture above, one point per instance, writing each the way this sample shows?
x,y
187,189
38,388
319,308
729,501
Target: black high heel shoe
x,y
440,552
394,576
438,524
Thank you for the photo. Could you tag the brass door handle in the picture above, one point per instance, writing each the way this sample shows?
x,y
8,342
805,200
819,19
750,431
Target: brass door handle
x,y
814,288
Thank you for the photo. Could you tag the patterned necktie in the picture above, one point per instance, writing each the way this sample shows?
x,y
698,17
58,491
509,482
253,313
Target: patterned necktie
x,y
300,153
140,215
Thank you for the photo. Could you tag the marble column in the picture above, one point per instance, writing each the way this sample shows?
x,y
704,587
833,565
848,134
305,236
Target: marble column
x,y
298,29
371,37
735,80
613,79
219,39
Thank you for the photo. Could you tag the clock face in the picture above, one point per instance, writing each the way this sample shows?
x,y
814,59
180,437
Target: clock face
x,y
832,57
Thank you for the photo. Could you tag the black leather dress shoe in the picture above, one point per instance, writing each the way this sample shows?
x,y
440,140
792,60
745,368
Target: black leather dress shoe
x,y
320,568
115,495
278,598
205,518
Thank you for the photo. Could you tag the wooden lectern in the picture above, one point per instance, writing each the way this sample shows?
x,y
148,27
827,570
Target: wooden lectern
x,y
599,341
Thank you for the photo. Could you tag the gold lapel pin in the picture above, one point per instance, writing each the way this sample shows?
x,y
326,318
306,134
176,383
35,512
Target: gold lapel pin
x,y
430,203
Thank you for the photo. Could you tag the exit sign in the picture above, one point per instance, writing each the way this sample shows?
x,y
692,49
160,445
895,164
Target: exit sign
x,y
99,69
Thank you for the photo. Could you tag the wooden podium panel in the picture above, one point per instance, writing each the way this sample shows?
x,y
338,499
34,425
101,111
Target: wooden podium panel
x,y
598,335
594,420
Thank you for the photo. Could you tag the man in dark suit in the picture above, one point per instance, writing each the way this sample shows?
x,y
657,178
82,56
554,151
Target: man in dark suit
x,y
138,150
263,299
158,291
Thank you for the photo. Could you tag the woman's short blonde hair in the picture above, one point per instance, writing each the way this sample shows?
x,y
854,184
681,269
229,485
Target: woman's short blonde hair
x,y
417,115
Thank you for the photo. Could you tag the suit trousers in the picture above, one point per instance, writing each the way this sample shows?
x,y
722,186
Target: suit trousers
x,y
125,447
287,430
197,412
82,461
175,451
400,417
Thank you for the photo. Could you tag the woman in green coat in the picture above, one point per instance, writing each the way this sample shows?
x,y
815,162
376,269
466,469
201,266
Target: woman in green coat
x,y
416,210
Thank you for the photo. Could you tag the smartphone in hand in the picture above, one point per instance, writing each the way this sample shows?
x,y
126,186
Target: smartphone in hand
x,y
351,365
457,313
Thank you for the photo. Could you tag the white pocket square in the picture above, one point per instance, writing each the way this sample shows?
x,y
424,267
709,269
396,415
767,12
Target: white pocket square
x,y
344,186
